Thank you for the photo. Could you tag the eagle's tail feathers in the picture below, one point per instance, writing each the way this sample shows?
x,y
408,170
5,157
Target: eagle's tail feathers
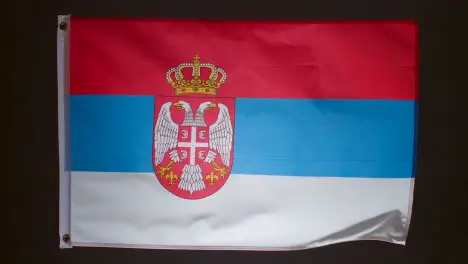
x,y
191,179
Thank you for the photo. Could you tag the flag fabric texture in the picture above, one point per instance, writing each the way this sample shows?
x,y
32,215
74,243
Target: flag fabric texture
x,y
253,135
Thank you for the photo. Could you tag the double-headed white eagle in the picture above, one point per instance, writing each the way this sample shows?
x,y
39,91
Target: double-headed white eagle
x,y
166,140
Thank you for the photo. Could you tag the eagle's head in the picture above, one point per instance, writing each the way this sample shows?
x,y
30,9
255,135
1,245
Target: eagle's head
x,y
181,105
206,106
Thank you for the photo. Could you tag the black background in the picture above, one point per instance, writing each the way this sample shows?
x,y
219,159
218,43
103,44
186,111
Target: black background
x,y
438,227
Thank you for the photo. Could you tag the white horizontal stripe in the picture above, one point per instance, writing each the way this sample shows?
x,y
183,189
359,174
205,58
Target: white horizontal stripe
x,y
249,211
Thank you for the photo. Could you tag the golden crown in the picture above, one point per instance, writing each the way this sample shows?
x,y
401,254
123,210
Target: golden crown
x,y
196,85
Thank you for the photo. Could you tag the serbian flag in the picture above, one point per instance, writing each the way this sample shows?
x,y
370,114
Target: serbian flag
x,y
242,135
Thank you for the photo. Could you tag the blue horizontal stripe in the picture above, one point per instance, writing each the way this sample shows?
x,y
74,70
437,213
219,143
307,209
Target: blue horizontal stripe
x,y
296,137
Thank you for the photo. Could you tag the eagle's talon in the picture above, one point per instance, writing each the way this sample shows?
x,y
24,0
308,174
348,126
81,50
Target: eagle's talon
x,y
222,171
162,169
216,167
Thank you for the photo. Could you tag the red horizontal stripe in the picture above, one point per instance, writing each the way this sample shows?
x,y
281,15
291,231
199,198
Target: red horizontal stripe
x,y
262,59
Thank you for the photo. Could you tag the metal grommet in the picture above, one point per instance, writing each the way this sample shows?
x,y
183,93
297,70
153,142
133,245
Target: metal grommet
x,y
66,238
63,26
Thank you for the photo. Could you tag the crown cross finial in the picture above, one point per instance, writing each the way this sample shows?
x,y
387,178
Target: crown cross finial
x,y
196,69
196,85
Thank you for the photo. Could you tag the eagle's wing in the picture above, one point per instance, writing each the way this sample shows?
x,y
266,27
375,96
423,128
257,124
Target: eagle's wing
x,y
165,134
221,134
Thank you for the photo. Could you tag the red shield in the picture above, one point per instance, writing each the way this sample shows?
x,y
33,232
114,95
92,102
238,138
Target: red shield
x,y
193,146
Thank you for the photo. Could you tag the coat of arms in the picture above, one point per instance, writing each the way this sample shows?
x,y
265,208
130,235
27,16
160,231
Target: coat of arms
x,y
193,132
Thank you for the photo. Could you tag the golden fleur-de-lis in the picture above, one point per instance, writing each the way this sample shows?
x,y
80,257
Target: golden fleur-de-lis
x,y
211,178
172,177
